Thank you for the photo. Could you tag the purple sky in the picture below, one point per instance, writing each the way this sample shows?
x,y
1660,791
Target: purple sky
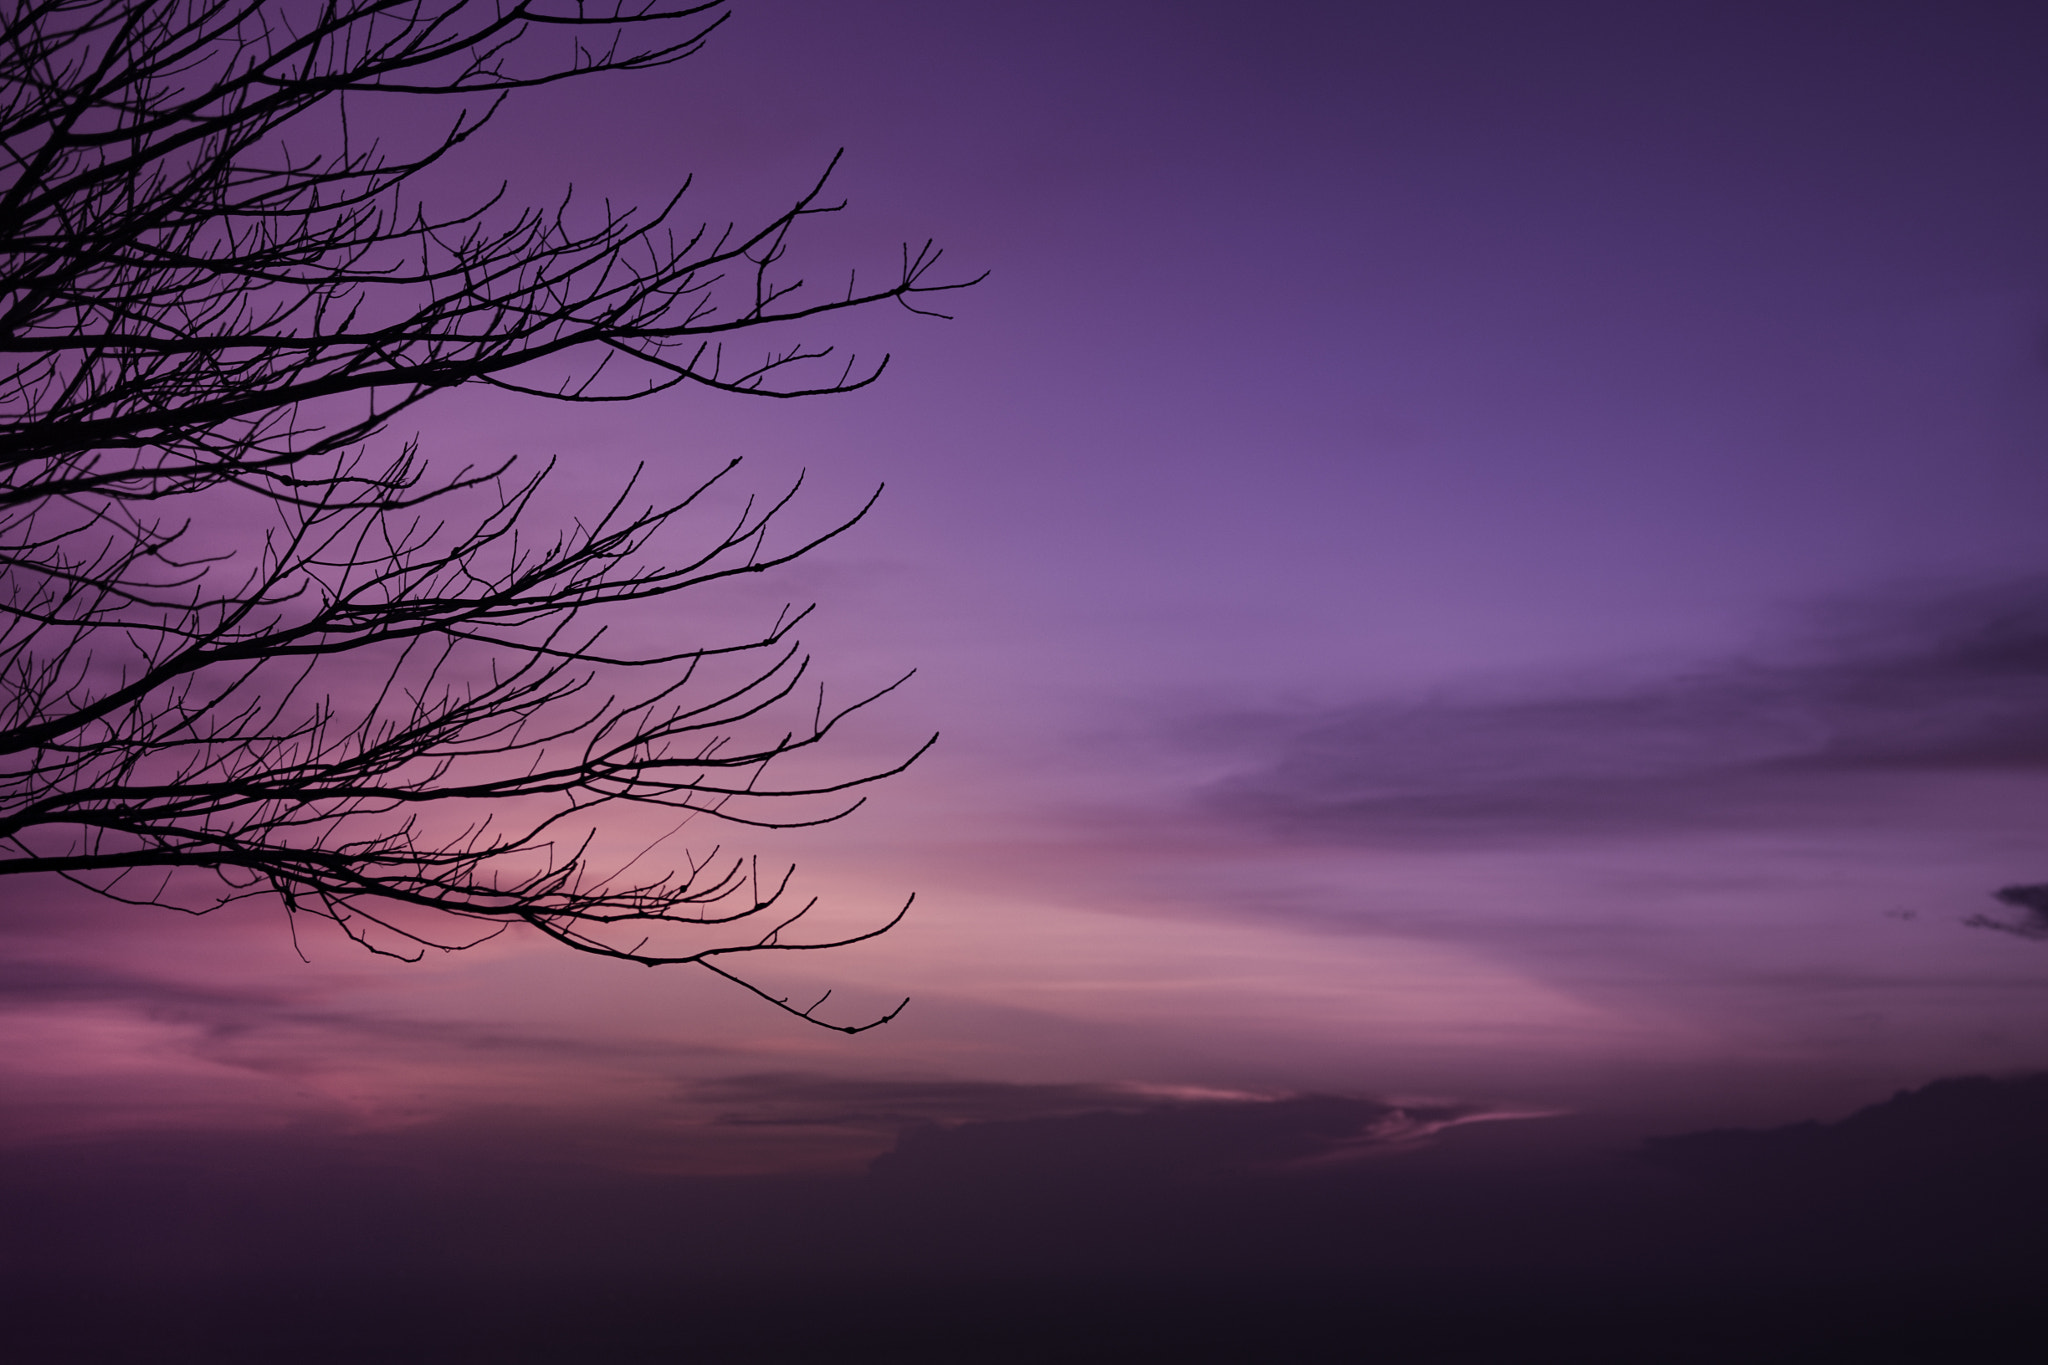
x,y
1480,551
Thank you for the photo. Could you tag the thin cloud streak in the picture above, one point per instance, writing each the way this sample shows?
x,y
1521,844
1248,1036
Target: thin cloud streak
x,y
1955,685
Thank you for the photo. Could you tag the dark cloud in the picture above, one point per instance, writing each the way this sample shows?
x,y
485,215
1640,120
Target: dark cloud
x,y
799,1099
2030,901
205,1055
1175,1141
227,1012
1968,1136
28,981
1955,683
951,1126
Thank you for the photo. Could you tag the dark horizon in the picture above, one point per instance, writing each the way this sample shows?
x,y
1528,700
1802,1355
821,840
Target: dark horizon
x,y
1907,1228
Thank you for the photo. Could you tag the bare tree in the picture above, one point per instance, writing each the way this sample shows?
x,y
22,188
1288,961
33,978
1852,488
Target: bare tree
x,y
219,289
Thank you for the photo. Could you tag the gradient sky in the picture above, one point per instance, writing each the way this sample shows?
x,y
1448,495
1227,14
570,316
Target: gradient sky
x,y
1479,551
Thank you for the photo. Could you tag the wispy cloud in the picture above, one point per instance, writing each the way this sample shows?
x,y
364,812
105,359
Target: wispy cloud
x,y
95,1047
2030,901
948,1128
1174,1140
1942,684
777,1099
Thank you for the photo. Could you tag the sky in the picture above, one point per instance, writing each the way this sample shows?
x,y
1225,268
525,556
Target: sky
x,y
1470,555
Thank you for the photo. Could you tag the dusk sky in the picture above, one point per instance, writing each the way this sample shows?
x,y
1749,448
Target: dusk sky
x,y
1487,554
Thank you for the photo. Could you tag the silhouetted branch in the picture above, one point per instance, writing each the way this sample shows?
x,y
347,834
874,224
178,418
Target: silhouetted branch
x,y
204,321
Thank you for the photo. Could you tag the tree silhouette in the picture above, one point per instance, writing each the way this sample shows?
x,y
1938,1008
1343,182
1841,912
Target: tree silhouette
x,y
219,289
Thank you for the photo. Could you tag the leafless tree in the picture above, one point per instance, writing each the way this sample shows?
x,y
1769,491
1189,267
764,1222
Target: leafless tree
x,y
219,289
